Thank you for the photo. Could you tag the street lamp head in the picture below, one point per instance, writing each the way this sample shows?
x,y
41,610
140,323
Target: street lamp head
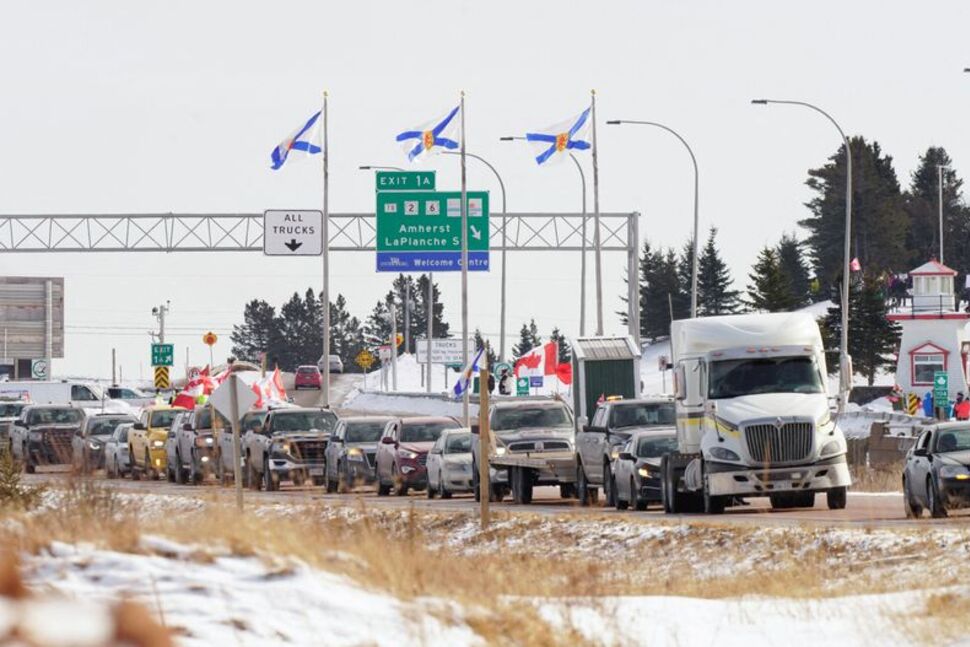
x,y
506,139
759,102
363,168
613,122
966,69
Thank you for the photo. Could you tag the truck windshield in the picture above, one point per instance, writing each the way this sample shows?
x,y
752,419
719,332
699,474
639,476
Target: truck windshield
x,y
303,421
11,409
163,418
203,420
526,417
364,432
105,426
54,417
749,376
643,414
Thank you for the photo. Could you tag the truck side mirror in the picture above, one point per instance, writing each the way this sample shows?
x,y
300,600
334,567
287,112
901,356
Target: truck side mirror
x,y
680,383
187,426
140,426
627,456
476,429
387,440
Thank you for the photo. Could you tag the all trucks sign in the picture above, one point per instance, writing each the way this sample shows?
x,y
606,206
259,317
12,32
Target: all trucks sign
x,y
292,233
419,230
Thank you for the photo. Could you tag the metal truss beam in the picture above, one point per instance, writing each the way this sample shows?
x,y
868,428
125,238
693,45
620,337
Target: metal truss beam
x,y
243,232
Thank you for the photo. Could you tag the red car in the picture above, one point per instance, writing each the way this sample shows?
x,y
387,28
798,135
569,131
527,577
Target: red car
x,y
307,377
402,453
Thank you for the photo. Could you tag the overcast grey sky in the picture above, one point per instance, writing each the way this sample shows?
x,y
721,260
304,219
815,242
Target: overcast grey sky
x,y
175,106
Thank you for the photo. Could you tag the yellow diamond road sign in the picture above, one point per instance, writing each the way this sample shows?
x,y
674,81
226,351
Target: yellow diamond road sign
x,y
365,359
161,378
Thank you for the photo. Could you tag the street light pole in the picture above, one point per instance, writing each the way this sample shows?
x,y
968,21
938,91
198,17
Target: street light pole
x,y
695,263
502,309
939,187
845,377
582,265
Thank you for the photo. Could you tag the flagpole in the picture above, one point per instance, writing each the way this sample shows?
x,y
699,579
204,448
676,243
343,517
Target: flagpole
x,y
596,227
325,234
464,264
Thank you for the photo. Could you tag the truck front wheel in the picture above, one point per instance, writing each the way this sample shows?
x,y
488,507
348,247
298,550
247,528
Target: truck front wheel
x,y
587,495
712,504
837,498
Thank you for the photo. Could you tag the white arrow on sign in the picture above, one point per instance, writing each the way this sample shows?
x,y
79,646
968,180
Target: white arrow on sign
x,y
477,235
221,398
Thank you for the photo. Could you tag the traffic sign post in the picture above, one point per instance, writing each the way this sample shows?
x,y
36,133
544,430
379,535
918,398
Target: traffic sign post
x,y
443,351
365,359
232,399
941,393
522,386
421,231
163,355
292,233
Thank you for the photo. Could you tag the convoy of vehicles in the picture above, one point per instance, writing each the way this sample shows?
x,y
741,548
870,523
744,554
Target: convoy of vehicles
x,y
599,442
290,445
402,453
146,441
753,418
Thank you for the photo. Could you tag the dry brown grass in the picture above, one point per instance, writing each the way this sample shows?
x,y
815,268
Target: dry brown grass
x,y
408,555
871,479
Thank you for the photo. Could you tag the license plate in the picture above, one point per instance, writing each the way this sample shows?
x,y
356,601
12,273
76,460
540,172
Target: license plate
x,y
316,471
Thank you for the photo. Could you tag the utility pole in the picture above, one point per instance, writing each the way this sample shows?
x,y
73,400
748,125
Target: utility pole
x,y
393,310
407,314
160,312
939,184
430,314
114,358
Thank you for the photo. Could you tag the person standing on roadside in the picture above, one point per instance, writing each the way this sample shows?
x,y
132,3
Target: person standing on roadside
x,y
961,409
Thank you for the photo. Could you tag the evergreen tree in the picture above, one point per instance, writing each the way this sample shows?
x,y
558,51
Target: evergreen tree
x,y
257,334
528,339
662,290
490,355
879,222
769,290
440,329
645,266
873,338
293,328
685,278
564,350
714,293
791,260
346,335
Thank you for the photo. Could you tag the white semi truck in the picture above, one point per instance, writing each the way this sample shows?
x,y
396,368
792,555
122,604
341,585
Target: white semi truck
x,y
753,415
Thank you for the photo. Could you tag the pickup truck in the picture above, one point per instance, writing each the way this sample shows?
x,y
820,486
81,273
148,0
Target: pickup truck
x,y
534,445
42,435
146,441
196,447
251,421
9,412
598,444
290,445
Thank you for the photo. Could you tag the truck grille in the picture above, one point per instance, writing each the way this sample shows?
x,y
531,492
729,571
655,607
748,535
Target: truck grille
x,y
550,445
312,451
789,443
57,445
522,447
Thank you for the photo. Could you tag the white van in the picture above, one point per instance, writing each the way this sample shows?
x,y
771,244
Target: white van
x,y
86,395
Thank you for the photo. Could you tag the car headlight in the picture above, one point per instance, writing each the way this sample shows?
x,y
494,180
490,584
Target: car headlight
x,y
405,453
645,472
958,472
93,445
724,454
204,441
158,444
615,453
355,452
831,447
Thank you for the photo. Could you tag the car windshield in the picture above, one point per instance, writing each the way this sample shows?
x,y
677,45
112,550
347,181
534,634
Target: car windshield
x,y
11,409
424,432
54,416
458,444
736,377
252,421
953,440
105,426
525,417
303,421
203,419
363,432
656,447
307,370
164,418
642,414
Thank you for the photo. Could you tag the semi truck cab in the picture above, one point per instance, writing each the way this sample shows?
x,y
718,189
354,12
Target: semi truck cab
x,y
753,418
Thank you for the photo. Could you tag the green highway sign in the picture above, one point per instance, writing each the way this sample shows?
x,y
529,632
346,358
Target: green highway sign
x,y
163,355
522,386
405,180
941,387
421,231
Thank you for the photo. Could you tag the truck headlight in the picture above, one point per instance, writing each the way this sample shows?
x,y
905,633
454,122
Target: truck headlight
x,y
724,454
500,450
406,453
36,436
831,447
958,472
355,453
645,472
93,445
158,444
615,453
281,448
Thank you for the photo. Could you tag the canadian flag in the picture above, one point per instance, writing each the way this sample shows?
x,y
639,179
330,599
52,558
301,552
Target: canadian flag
x,y
269,390
544,360
198,384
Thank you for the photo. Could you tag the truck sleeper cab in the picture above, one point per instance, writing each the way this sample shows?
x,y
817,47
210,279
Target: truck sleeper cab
x,y
752,415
